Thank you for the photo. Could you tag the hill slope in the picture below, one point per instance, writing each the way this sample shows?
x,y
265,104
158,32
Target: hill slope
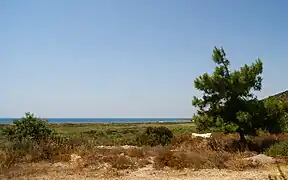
x,y
283,96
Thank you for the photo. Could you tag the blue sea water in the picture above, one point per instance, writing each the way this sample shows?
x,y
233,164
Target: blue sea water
x,y
103,120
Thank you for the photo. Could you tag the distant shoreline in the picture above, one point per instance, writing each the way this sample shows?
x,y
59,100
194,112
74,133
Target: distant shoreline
x,y
105,120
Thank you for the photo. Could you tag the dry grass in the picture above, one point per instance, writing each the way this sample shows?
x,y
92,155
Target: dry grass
x,y
123,162
206,159
179,160
135,152
221,151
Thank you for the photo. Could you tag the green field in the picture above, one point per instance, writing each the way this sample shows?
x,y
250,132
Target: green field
x,y
77,129
116,133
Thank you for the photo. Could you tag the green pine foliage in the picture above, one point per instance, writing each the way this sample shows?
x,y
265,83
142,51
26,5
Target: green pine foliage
x,y
229,104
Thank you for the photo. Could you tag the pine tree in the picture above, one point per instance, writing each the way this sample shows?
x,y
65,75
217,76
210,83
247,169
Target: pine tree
x,y
228,102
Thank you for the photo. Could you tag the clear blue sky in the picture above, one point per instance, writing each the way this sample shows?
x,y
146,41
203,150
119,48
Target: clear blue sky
x,y
130,58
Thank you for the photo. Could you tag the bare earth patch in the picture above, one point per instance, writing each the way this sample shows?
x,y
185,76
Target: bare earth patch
x,y
57,171
186,158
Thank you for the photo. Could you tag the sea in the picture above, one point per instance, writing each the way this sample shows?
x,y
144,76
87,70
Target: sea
x,y
104,120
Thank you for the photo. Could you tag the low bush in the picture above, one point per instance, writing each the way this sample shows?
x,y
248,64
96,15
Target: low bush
x,y
223,143
28,128
279,149
32,151
154,136
30,139
230,143
201,160
261,143
123,162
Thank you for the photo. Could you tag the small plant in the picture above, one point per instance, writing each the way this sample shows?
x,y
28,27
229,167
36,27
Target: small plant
x,y
279,149
28,128
154,136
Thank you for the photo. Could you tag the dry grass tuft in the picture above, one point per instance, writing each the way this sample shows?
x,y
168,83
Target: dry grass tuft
x,y
241,164
205,160
135,152
123,162
112,172
143,163
188,159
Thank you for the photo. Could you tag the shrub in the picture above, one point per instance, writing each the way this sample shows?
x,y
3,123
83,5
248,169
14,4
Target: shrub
x,y
31,139
279,149
28,128
96,133
223,142
261,143
191,159
275,115
57,148
154,136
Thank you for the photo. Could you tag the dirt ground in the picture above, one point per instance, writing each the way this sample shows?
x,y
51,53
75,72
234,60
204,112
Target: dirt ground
x,y
63,171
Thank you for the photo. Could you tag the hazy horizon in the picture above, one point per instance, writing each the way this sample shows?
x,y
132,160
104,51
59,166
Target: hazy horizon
x,y
125,58
178,118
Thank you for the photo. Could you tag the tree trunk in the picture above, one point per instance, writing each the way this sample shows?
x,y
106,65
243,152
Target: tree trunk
x,y
242,141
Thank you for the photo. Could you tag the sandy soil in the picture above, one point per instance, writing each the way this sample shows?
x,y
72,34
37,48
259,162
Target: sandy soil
x,y
74,171
64,171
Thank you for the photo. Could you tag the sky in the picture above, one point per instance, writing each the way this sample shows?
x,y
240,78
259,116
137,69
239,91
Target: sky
x,y
130,58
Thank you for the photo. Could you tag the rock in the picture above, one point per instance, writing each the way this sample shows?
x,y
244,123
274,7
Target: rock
x,y
60,165
206,135
104,166
75,158
262,159
77,161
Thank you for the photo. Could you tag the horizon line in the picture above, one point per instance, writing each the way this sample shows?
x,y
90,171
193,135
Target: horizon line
x,y
99,118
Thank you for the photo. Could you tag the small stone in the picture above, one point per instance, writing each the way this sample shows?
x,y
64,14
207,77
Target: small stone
x,y
262,158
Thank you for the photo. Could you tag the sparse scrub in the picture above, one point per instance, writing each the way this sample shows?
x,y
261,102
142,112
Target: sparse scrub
x,y
201,160
135,152
196,153
187,143
31,139
261,143
183,151
224,143
188,152
279,149
154,136
241,164
143,162
123,162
